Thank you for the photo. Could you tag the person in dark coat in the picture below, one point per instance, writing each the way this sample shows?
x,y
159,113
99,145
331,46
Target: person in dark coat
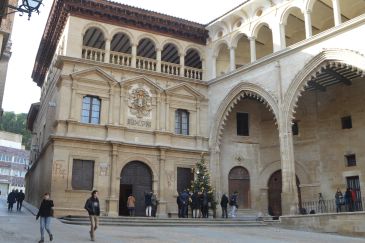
x,y
45,212
19,200
195,204
224,203
11,200
348,200
92,206
178,205
234,204
205,205
148,203
184,201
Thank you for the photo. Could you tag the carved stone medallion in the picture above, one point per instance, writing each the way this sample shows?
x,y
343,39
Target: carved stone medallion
x,y
140,102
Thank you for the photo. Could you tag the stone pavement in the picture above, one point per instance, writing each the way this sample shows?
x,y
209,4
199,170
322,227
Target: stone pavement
x,y
21,227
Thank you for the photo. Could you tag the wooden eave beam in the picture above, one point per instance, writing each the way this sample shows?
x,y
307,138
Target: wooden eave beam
x,y
338,76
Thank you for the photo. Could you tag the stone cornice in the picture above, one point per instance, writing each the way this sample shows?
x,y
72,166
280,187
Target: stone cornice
x,y
113,13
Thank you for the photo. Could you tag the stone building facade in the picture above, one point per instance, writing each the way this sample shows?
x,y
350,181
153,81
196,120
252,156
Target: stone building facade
x,y
6,26
270,91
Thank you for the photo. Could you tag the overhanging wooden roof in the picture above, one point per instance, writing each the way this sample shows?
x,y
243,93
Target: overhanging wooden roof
x,y
113,13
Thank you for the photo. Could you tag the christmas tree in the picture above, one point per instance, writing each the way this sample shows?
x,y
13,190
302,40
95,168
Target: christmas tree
x,y
201,181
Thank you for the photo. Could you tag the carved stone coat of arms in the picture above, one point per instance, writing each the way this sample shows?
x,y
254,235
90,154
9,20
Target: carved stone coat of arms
x,y
140,102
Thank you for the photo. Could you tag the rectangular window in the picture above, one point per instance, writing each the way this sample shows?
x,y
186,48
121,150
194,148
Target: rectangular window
x,y
242,124
295,128
182,122
346,122
82,174
184,178
350,159
90,110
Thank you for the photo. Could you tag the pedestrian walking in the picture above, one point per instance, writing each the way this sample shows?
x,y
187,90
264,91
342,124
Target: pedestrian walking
x,y
131,205
11,200
339,200
45,213
234,204
92,206
19,200
224,203
154,204
148,203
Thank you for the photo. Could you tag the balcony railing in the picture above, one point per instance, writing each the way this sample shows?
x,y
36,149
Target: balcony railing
x,y
127,60
193,73
330,206
93,54
120,58
170,68
146,63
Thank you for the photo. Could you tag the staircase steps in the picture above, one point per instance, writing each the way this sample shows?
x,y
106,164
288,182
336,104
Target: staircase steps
x,y
162,222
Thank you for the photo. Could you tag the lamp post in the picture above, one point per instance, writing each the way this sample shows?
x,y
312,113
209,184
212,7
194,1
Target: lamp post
x,y
27,6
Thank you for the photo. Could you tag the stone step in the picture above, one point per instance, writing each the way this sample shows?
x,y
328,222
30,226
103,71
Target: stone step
x,y
155,222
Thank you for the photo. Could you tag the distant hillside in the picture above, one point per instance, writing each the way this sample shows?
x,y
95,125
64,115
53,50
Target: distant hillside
x,y
16,123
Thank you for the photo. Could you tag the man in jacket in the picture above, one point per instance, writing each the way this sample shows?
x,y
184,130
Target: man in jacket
x,y
234,204
45,212
184,200
11,200
148,203
92,206
20,200
224,202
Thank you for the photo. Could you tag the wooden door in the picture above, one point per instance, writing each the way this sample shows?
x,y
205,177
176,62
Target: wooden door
x,y
184,179
138,177
275,188
239,181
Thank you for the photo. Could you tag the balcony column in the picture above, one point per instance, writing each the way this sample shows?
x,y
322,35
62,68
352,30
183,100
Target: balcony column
x,y
182,64
204,70
214,67
134,55
308,24
253,48
232,58
336,12
158,58
107,51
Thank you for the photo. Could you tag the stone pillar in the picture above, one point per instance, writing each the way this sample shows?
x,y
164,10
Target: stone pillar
x,y
337,12
158,58
232,57
122,107
167,115
289,194
72,115
252,48
107,51
214,67
134,55
204,69
112,201
182,64
111,105
158,112
278,37
162,206
198,118
308,24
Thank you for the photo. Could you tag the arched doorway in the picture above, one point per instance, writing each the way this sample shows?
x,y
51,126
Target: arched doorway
x,y
275,188
136,179
239,181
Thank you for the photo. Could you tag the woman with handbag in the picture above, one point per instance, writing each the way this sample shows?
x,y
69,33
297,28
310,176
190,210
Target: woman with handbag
x,y
45,213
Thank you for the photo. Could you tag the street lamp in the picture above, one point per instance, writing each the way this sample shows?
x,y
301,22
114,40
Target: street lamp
x,y
27,6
